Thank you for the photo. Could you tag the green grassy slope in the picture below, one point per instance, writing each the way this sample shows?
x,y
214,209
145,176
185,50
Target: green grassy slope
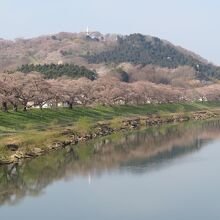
x,y
37,119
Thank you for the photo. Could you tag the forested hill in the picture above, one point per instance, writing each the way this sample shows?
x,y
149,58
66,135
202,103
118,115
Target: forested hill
x,y
140,49
94,51
52,71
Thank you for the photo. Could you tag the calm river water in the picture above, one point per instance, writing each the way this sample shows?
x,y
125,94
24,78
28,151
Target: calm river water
x,y
165,173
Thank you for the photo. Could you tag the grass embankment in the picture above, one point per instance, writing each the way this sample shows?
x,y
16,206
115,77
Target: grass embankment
x,y
36,128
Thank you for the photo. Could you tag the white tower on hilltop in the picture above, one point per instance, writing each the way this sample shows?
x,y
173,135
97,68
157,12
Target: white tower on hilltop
x,y
87,31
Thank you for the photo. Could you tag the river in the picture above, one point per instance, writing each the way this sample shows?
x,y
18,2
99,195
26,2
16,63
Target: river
x,y
162,173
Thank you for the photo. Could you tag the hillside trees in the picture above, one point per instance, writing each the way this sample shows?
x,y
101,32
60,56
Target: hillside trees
x,y
139,49
51,71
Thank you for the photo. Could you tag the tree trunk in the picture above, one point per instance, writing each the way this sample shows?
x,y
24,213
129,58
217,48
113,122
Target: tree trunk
x,y
25,106
4,107
71,105
15,108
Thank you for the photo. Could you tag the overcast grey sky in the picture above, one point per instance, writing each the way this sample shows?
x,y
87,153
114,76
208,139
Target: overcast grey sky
x,y
193,24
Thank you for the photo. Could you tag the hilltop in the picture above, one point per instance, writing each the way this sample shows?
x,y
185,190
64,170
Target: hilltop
x,y
133,57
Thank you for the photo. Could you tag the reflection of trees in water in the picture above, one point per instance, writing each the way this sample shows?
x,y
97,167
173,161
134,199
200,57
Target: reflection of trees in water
x,y
135,152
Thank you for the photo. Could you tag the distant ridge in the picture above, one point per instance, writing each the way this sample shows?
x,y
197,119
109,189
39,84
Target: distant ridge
x,y
96,48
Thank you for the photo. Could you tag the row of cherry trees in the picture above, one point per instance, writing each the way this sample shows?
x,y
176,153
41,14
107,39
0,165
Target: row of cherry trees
x,y
32,89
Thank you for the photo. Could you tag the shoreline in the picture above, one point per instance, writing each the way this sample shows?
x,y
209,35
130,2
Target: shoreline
x,y
105,128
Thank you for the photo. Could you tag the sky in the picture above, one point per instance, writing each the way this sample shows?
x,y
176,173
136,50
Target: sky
x,y
192,24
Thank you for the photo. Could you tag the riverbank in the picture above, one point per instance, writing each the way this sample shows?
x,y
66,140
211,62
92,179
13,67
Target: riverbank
x,y
33,133
147,147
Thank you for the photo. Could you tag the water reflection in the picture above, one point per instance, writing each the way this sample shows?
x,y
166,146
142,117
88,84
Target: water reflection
x,y
136,152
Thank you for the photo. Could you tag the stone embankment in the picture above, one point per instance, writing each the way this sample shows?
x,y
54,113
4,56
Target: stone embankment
x,y
104,129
